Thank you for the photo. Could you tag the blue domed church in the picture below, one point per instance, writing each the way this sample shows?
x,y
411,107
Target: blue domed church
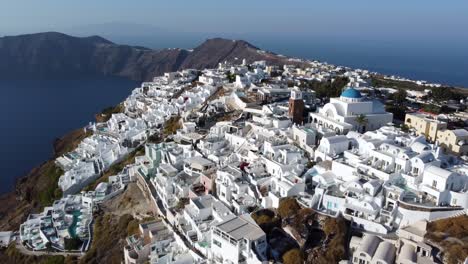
x,y
352,112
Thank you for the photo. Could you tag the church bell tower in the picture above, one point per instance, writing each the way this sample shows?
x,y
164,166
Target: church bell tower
x,y
296,106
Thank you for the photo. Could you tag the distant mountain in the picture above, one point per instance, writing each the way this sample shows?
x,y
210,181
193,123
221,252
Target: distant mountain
x,y
56,55
213,51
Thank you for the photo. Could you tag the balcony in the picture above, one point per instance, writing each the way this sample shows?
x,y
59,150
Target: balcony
x,y
416,200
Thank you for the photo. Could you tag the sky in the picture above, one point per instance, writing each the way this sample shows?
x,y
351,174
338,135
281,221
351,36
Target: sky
x,y
360,18
422,39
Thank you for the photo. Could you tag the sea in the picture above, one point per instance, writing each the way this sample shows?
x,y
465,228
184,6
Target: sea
x,y
444,63
434,59
35,112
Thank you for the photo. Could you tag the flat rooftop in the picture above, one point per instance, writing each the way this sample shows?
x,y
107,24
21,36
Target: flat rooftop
x,y
241,227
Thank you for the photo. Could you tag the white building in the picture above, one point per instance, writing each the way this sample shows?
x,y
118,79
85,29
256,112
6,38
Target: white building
x,y
237,240
342,114
373,250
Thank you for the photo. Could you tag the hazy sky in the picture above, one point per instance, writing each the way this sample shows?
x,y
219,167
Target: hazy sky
x,y
331,17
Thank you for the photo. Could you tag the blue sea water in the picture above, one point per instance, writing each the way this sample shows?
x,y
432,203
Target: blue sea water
x,y
430,58
439,61
35,112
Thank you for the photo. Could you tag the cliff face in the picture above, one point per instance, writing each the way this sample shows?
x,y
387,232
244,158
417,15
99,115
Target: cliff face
x,y
47,54
135,63
56,55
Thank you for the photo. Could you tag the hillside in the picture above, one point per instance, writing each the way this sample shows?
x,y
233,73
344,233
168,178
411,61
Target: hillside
x,y
213,51
57,55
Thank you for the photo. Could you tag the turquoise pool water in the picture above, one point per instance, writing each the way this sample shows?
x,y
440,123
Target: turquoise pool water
x,y
72,228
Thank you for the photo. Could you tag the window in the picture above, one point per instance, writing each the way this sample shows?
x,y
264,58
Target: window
x,y
217,243
434,183
232,241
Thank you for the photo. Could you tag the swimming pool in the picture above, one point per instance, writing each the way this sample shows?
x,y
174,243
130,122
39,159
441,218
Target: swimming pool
x,y
72,229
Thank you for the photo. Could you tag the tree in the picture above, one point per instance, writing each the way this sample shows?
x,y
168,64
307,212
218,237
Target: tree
x,y
440,94
266,219
288,207
404,128
263,219
49,247
53,260
293,256
398,111
362,121
328,88
431,108
133,227
73,243
400,96
231,77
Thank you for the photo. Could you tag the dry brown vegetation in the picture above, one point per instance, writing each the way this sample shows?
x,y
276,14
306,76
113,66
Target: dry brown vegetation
x,y
120,217
451,235
40,188
304,223
266,219
109,236
11,255
171,126
106,113
293,256
132,201
288,207
334,251
334,229
70,141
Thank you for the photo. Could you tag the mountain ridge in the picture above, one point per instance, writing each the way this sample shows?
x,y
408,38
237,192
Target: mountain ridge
x,y
58,55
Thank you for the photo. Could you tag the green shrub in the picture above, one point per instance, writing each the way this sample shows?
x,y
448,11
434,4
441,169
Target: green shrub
x,y
51,175
73,243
